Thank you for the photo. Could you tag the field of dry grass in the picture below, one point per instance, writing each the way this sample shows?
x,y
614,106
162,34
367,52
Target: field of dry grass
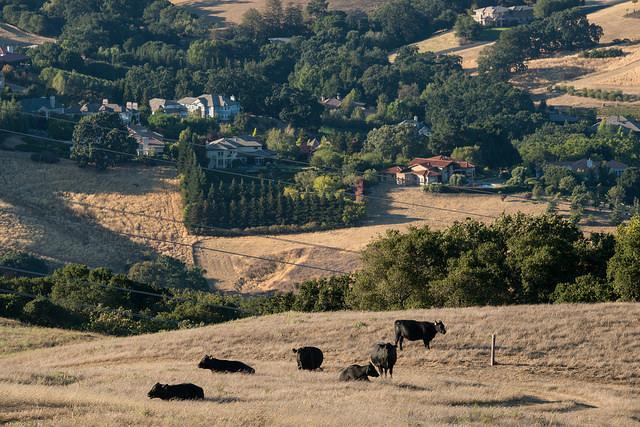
x,y
622,73
557,365
16,337
37,215
14,36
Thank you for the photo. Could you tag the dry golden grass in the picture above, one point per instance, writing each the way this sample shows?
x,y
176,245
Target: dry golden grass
x,y
256,276
16,337
36,215
558,365
447,42
621,73
615,24
14,36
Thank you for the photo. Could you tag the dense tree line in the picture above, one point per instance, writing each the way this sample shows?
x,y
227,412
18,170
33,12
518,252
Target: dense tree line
x,y
99,300
217,202
517,259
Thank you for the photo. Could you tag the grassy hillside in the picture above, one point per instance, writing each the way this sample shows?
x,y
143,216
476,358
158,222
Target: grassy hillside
x,y
622,73
16,337
37,214
558,365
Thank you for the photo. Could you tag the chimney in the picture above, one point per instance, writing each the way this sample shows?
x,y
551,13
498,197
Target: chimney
x,y
52,101
129,106
233,98
134,106
415,119
105,101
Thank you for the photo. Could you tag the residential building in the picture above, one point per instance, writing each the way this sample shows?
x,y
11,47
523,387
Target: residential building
x,y
167,106
230,152
422,128
584,166
149,143
7,56
621,123
129,113
44,105
500,16
425,171
217,107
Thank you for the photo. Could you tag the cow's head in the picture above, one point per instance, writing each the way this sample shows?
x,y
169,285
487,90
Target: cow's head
x,y
371,371
157,391
204,363
440,327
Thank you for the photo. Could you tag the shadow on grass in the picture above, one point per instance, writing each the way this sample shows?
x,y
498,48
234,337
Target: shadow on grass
x,y
524,400
223,399
411,387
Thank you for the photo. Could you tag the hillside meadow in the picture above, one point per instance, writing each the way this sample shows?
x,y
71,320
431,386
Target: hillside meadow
x,y
557,365
39,213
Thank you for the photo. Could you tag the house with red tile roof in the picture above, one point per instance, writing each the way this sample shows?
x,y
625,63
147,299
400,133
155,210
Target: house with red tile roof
x,y
430,170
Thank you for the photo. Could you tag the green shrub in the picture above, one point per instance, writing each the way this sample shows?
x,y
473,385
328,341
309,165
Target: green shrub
x,y
585,289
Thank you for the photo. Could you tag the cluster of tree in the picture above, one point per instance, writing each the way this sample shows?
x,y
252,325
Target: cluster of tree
x,y
515,260
565,30
603,53
553,143
546,8
102,140
18,13
466,111
99,300
215,202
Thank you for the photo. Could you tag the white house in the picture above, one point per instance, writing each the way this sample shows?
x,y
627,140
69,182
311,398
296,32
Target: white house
x,y
217,107
224,153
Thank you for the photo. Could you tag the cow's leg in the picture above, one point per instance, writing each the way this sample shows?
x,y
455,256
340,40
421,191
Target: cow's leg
x,y
426,344
391,371
399,338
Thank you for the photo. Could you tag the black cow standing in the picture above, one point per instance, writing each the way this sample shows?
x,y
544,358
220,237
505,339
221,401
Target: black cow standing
x,y
358,373
414,330
309,358
219,365
176,392
383,357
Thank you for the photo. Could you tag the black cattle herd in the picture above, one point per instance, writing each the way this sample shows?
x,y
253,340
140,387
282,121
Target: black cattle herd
x,y
383,358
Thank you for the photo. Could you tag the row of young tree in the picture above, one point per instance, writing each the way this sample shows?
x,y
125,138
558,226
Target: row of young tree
x,y
214,201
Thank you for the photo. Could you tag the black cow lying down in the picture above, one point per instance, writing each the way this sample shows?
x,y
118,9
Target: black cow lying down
x,y
414,330
358,373
219,365
309,358
176,392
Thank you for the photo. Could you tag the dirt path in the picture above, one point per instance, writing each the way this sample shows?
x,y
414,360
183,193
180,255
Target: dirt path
x,y
14,36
